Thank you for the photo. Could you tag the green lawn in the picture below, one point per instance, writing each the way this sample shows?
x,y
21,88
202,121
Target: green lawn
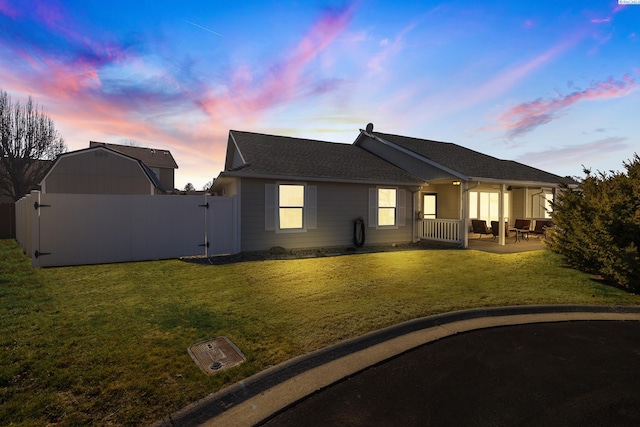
x,y
106,344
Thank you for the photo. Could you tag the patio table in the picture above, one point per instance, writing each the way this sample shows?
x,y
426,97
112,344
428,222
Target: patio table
x,y
521,233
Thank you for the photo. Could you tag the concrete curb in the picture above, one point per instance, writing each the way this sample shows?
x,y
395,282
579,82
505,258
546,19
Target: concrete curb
x,y
266,393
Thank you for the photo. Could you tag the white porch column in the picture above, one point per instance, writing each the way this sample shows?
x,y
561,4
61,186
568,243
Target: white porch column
x,y
501,229
464,213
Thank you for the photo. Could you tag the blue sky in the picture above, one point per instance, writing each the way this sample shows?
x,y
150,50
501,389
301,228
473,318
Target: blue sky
x,y
547,83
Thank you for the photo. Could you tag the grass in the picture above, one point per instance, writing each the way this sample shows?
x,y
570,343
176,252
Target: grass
x,y
106,344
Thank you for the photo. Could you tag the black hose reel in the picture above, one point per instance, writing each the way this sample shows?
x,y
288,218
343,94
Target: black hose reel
x,y
358,232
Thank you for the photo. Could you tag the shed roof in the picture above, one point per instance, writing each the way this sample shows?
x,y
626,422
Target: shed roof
x,y
470,163
281,156
151,176
152,157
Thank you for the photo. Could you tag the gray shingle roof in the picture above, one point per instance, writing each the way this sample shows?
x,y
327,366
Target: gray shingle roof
x,y
471,163
270,155
152,157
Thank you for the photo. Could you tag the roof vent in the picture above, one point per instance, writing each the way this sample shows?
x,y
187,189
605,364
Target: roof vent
x,y
369,127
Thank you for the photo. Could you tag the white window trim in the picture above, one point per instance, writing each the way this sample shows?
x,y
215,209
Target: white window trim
x,y
400,208
305,208
272,207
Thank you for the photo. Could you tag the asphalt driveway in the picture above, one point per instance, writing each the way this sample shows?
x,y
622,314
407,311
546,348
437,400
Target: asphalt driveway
x,y
583,373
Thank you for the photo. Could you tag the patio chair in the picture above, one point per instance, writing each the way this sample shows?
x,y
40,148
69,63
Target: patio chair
x,y
479,226
495,229
541,227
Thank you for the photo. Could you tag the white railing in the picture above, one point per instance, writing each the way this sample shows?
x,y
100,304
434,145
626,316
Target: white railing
x,y
442,230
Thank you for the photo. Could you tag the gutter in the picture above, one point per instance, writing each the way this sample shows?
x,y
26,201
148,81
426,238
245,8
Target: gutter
x,y
320,179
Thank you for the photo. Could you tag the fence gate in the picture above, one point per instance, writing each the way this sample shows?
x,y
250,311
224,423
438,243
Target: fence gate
x,y
73,229
7,220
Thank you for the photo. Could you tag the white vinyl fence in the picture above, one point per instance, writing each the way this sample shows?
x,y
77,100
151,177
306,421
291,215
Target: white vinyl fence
x,y
73,229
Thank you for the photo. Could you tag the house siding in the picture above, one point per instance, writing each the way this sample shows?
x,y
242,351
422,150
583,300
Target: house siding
x,y
518,204
404,161
337,206
97,172
167,178
448,201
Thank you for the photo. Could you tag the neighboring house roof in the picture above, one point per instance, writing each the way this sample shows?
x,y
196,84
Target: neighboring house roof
x,y
147,171
152,157
281,157
470,164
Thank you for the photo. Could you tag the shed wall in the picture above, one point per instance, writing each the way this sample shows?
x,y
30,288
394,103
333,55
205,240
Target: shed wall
x,y
97,172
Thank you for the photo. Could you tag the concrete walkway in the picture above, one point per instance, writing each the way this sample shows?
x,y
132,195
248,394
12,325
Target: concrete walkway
x,y
267,393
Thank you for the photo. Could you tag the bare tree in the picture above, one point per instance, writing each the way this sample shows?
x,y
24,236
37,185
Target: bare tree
x,y
29,142
208,185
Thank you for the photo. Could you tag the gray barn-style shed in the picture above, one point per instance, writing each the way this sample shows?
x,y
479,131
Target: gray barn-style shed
x,y
101,170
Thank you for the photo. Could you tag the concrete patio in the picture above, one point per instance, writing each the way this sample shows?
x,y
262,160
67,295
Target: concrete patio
x,y
487,244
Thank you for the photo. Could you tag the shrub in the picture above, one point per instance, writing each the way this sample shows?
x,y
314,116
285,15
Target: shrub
x,y
598,225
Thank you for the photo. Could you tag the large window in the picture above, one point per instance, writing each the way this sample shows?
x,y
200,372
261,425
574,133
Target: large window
x,y
429,206
387,207
485,205
290,206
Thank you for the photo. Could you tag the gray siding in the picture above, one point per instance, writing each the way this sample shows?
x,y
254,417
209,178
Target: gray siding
x,y
408,163
97,172
167,178
338,205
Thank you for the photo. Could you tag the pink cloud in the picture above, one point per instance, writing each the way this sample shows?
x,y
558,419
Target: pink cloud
x,y
584,154
284,80
525,117
9,10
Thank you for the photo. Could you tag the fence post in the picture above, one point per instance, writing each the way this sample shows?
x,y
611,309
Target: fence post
x,y
236,224
206,225
35,227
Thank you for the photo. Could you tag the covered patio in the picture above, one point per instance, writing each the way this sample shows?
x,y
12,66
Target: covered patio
x,y
487,244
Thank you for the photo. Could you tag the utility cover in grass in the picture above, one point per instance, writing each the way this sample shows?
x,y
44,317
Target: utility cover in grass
x,y
216,355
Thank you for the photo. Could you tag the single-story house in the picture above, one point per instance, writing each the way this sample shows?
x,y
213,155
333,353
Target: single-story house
x,y
300,193
109,169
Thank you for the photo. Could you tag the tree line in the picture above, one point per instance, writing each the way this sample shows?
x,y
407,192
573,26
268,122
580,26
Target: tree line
x,y
29,142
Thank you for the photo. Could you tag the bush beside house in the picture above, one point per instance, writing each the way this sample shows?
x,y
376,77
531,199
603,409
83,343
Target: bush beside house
x,y
598,225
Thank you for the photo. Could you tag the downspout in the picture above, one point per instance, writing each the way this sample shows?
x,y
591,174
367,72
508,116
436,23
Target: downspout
x,y
532,198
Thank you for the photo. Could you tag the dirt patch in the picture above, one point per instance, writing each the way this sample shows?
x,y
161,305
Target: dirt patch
x,y
279,253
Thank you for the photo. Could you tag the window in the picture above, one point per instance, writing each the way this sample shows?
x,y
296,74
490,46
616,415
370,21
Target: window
x,y
542,204
429,206
485,205
548,205
290,206
386,207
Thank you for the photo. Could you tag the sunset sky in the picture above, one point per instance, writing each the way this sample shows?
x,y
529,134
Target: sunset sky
x,y
553,84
